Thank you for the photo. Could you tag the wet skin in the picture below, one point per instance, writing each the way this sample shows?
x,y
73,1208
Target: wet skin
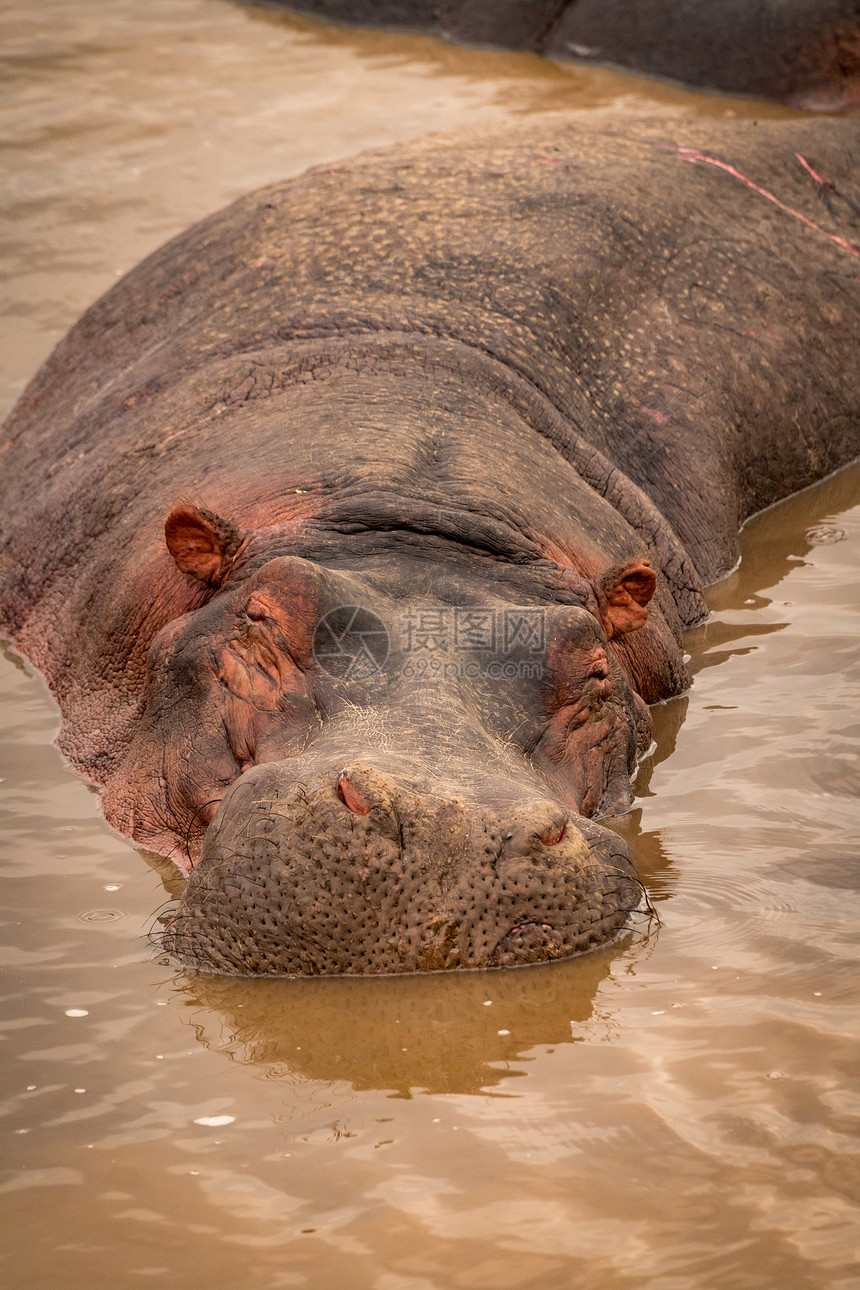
x,y
509,405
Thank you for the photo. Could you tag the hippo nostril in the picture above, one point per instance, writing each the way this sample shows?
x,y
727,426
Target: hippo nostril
x,y
542,826
351,797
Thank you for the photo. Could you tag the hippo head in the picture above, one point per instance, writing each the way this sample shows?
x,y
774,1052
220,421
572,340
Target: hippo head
x,y
389,767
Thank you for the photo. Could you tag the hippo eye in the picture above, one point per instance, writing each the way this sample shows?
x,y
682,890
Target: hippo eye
x,y
256,610
583,690
599,667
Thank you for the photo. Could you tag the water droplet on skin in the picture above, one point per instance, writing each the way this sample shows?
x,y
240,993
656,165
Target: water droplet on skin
x,y
488,1003
503,1032
77,1012
660,1013
215,1121
112,886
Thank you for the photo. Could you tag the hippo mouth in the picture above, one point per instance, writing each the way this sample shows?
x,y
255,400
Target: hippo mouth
x,y
300,880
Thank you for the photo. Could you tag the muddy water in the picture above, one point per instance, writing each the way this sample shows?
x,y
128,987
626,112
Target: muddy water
x,y
680,1111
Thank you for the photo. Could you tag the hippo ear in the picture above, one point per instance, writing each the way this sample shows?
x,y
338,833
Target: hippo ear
x,y
201,543
622,594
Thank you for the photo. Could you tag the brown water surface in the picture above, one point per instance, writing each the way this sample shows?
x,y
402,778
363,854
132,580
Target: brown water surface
x,y
676,1112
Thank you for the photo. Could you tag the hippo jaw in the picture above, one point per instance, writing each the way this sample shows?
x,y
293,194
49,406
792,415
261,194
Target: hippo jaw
x,y
354,875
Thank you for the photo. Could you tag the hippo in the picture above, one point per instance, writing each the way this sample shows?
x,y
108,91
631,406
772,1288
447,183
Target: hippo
x,y
802,52
356,529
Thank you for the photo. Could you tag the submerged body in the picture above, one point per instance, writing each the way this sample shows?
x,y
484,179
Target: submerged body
x,y
805,52
363,520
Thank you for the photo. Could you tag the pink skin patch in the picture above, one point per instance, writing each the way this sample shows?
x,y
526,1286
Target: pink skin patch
x,y
694,155
654,413
807,167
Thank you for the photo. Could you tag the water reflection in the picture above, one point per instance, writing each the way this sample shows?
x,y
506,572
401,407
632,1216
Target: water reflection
x,y
779,541
432,1034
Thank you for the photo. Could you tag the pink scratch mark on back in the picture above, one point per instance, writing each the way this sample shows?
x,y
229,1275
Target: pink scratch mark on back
x,y
807,167
656,414
694,155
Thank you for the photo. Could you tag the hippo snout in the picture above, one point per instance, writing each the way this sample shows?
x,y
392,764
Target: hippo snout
x,y
357,873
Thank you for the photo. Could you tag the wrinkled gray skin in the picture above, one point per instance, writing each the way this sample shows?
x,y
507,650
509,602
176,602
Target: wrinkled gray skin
x,y
805,52
540,376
